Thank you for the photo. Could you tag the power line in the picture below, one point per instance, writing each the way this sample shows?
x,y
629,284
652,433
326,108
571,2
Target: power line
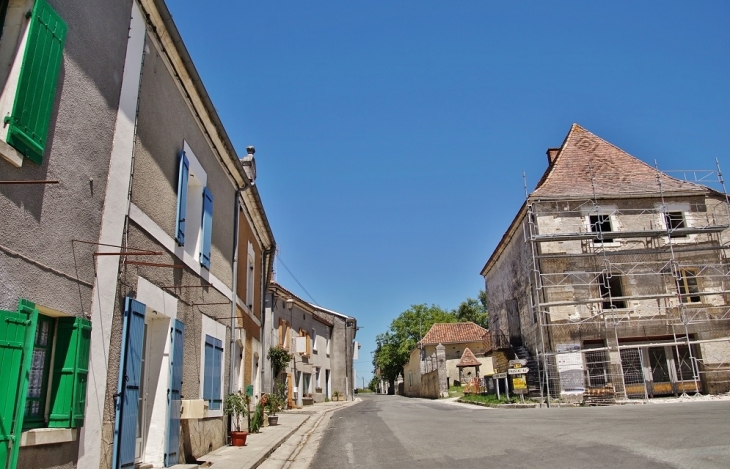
x,y
296,280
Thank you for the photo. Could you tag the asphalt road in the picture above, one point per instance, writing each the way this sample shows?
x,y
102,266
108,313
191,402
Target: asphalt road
x,y
403,433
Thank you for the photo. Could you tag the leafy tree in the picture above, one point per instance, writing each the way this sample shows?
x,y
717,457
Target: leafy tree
x,y
395,345
474,310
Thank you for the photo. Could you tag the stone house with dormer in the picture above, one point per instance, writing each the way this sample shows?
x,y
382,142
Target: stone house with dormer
x,y
613,277
455,338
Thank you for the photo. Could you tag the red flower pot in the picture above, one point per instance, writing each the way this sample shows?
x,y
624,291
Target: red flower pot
x,y
238,438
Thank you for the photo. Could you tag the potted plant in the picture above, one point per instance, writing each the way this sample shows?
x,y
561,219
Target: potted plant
x,y
336,395
236,405
273,405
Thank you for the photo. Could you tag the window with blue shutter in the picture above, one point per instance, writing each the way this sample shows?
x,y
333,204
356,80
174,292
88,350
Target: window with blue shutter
x,y
182,198
212,372
29,120
207,228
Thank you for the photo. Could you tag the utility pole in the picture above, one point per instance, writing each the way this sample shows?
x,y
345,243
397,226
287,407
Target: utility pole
x,y
363,382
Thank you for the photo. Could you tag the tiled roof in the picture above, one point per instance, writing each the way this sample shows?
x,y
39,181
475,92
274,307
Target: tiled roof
x,y
453,333
585,163
468,359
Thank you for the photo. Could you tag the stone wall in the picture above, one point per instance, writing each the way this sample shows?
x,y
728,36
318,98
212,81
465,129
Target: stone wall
x,y
430,385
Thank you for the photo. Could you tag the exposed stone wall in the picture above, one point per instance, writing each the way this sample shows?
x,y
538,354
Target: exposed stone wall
x,y
508,281
200,437
430,385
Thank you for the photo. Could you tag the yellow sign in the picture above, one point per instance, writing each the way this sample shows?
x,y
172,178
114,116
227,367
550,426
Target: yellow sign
x,y
519,383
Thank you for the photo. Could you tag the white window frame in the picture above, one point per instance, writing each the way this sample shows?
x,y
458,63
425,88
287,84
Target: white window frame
x,y
197,181
664,210
314,339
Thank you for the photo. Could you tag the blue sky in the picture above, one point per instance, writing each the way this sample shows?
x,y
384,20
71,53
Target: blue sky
x,y
391,137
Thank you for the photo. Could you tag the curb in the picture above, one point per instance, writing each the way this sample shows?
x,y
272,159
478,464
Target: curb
x,y
307,435
279,443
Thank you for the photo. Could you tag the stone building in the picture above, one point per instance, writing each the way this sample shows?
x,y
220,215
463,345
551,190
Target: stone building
x,y
613,275
455,338
321,341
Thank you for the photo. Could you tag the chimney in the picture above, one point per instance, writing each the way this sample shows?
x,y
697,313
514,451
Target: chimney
x,y
249,164
552,153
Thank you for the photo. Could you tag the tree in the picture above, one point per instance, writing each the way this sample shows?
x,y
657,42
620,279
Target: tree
x,y
394,346
474,310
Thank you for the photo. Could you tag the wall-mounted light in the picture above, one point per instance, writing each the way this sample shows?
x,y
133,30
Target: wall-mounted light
x,y
289,304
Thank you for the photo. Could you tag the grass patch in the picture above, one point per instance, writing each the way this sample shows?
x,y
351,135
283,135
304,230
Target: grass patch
x,y
364,390
456,391
489,399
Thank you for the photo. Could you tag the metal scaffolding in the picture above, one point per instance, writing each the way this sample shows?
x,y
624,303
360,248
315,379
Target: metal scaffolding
x,y
630,293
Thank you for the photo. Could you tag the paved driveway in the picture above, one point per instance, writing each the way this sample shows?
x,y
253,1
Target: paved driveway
x,y
397,432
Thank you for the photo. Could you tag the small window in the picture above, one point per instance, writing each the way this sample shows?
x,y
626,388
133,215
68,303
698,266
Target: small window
x,y
56,370
212,372
610,287
314,340
688,287
675,221
601,224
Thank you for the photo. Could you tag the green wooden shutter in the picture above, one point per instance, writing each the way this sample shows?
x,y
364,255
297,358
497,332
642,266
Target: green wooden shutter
x,y
17,330
70,372
36,90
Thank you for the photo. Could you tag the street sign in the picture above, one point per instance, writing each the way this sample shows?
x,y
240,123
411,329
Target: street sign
x,y
499,375
522,362
518,371
519,384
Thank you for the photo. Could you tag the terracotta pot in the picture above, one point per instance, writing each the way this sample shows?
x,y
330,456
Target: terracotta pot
x,y
273,420
238,438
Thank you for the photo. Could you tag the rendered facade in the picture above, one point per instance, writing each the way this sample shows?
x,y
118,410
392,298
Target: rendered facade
x,y
135,248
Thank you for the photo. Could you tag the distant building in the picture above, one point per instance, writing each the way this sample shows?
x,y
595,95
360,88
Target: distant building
x,y
322,343
613,276
456,338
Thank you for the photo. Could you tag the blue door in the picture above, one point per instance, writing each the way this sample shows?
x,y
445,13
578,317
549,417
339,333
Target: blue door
x,y
128,387
177,334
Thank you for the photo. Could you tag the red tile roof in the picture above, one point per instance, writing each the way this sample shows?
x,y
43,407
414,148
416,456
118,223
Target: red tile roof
x,y
453,333
468,359
585,163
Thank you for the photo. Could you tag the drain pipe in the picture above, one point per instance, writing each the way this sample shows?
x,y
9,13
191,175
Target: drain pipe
x,y
234,291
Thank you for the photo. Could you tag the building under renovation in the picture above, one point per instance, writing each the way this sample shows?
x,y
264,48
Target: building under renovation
x,y
613,278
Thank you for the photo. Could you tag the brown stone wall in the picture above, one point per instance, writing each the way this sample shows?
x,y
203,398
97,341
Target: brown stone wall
x,y
200,437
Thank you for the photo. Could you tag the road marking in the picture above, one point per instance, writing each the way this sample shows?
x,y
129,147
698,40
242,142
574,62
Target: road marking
x,y
350,453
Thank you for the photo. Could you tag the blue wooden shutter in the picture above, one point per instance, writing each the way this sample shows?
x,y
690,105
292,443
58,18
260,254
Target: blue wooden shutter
x,y
207,228
177,335
31,115
217,400
182,198
17,332
125,425
208,370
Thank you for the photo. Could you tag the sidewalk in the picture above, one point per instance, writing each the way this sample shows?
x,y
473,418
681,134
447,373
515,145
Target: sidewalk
x,y
259,446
